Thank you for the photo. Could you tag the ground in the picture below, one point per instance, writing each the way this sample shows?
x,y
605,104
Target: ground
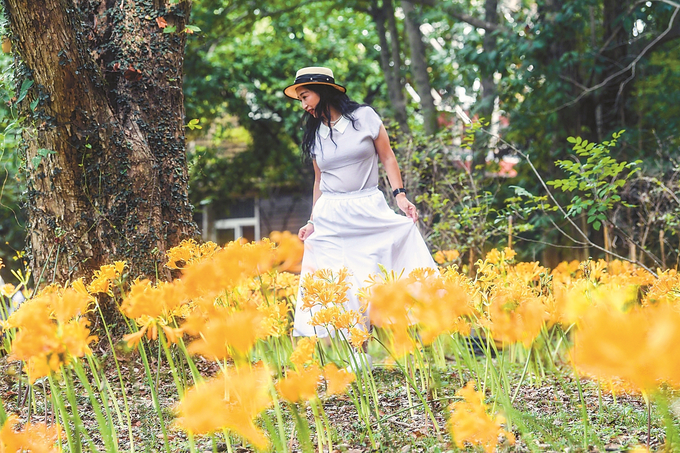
x,y
548,407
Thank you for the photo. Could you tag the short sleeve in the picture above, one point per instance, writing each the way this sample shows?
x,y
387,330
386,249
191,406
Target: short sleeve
x,y
372,122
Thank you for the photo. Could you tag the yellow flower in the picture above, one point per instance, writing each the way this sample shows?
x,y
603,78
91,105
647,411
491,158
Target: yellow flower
x,y
7,289
231,401
133,339
470,422
35,437
390,303
324,288
50,331
358,336
101,283
286,284
188,251
71,304
347,319
303,353
289,250
337,380
76,337
446,256
299,385
161,300
275,321
325,316
516,313
440,304
666,289
565,272
509,253
612,344
227,334
226,269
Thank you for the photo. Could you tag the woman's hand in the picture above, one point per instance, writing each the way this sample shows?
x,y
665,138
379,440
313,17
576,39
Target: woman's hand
x,y
407,207
305,231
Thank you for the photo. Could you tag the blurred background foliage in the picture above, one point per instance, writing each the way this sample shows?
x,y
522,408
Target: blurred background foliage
x,y
537,71
12,218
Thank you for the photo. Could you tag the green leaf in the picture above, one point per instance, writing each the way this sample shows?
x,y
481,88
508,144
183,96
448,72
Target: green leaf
x,y
597,225
170,29
23,91
44,152
193,124
192,28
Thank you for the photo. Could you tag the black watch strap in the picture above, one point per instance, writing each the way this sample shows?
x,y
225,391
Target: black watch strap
x,y
398,191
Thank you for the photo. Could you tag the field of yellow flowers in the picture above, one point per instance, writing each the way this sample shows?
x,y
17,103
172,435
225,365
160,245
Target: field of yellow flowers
x,y
507,356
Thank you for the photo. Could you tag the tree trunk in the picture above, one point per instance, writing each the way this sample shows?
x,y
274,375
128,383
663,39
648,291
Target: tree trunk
x,y
489,92
105,153
390,69
613,103
489,45
419,67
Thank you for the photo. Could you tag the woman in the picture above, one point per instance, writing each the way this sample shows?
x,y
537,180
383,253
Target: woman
x,y
351,224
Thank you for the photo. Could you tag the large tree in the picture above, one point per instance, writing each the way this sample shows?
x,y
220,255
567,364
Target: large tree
x,y
104,141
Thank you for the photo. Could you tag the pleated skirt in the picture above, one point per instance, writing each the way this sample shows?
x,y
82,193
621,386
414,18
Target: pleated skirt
x,y
359,231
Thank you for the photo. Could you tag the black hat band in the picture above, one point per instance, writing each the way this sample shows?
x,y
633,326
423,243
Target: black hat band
x,y
309,78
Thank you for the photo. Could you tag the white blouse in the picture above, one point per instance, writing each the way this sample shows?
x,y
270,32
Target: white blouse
x,y
348,160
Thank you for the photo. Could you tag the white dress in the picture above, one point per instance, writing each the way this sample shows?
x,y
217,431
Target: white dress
x,y
353,225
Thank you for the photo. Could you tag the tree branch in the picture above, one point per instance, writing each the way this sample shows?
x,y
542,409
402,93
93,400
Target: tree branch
x,y
644,51
475,22
631,67
566,216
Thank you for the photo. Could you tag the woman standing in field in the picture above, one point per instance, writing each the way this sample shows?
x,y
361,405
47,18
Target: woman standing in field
x,y
351,224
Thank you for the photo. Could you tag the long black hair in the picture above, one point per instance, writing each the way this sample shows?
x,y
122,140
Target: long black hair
x,y
328,96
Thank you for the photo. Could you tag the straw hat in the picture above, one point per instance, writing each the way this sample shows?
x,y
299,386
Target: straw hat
x,y
313,75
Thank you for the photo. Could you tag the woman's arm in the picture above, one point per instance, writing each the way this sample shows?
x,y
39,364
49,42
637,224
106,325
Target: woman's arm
x,y
317,185
308,229
389,161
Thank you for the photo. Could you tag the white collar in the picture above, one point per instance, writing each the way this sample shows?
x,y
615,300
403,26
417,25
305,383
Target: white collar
x,y
340,126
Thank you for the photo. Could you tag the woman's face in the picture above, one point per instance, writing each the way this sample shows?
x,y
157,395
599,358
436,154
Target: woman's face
x,y
308,98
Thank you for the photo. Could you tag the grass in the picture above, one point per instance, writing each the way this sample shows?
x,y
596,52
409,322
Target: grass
x,y
548,407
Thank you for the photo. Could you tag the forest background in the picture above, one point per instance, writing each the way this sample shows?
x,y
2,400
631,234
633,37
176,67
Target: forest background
x,y
538,73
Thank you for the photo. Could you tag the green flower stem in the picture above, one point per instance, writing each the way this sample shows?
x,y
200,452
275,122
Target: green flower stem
x,y
302,426
154,395
195,374
282,446
584,409
3,414
413,385
227,441
318,423
72,438
192,444
171,363
328,428
77,421
521,379
120,380
106,428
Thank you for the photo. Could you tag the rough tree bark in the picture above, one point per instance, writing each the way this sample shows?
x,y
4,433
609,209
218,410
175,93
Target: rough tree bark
x,y
109,109
421,77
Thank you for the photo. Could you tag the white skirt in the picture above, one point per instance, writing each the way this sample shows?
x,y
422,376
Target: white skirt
x,y
358,230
